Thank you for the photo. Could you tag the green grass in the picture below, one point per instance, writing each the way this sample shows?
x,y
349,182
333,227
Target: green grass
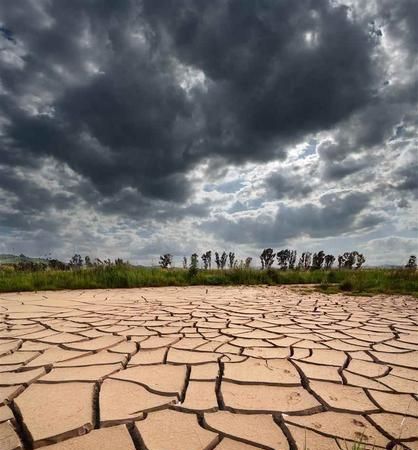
x,y
360,282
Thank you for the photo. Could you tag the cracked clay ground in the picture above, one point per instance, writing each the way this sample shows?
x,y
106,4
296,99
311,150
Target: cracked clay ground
x,y
237,368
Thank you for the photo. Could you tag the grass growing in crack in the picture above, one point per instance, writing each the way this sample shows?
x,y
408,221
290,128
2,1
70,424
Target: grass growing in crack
x,y
358,445
356,282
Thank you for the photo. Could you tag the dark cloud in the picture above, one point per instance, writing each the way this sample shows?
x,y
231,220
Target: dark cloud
x,y
289,185
400,20
274,71
28,197
336,214
407,178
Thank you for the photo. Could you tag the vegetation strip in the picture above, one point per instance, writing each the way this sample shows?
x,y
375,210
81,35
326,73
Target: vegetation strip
x,y
365,281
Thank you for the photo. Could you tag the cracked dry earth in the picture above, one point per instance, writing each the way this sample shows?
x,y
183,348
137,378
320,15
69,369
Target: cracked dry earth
x,y
237,368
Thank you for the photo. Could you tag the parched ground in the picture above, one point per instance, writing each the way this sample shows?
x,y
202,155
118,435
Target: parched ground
x,y
196,368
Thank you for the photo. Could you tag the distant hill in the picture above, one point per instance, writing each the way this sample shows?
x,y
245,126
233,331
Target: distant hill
x,y
13,259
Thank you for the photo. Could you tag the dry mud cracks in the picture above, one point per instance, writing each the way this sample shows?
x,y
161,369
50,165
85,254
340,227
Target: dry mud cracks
x,y
238,368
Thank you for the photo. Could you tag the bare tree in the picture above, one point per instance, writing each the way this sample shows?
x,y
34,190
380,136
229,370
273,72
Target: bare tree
x,y
247,263
184,262
267,258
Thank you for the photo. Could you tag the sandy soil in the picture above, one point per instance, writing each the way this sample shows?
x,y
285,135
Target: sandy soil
x,y
199,368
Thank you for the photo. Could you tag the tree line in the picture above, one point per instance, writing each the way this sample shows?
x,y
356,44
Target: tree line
x,y
285,259
75,262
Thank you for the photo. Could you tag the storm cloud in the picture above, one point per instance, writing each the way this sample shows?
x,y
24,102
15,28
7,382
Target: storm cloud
x,y
139,122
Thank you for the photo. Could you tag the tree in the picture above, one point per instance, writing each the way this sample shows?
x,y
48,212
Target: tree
x,y
217,260
292,259
165,261
305,261
286,259
348,259
231,258
224,258
56,264
87,261
412,263
329,261
220,260
360,260
193,265
318,260
184,262
267,258
248,262
207,260
283,259
76,261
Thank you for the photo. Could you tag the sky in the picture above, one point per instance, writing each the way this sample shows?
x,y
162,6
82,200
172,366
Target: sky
x,y
135,128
